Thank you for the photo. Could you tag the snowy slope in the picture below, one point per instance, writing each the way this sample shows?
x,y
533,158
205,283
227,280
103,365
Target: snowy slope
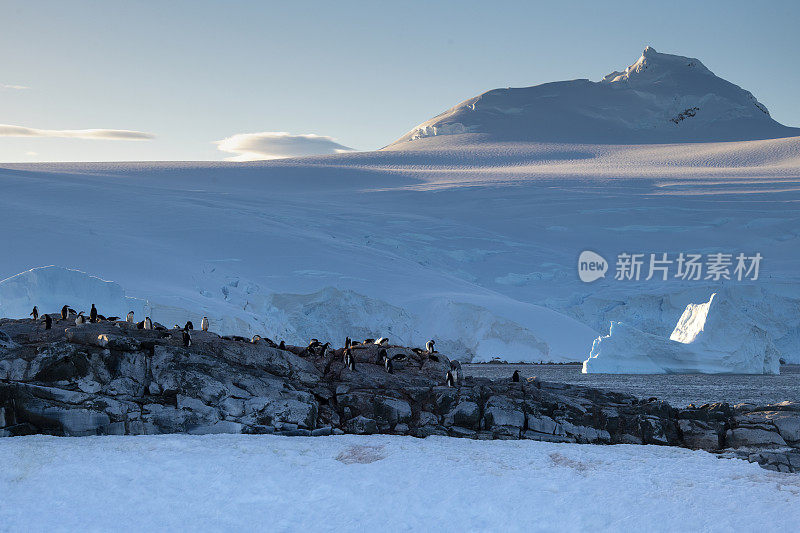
x,y
661,98
473,245
381,483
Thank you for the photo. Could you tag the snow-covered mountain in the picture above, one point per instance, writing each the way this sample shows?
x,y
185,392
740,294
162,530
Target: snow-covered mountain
x,y
661,98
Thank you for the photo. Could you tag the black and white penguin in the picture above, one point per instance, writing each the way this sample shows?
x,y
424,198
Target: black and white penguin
x,y
323,350
93,314
383,341
35,313
449,379
347,342
204,323
187,339
369,341
129,318
188,325
355,343
387,364
80,319
255,339
515,376
429,346
381,358
48,322
349,361
64,312
282,346
148,324
346,355
109,318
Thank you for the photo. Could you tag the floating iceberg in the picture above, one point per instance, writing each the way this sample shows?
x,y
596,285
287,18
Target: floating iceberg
x,y
715,337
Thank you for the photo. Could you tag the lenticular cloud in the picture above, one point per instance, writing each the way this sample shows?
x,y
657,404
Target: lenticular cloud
x,y
278,145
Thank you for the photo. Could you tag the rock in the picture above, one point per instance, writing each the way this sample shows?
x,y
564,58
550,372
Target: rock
x,y
466,414
103,379
748,437
362,426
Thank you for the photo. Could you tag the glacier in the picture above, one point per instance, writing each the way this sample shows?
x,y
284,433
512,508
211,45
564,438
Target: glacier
x,y
470,238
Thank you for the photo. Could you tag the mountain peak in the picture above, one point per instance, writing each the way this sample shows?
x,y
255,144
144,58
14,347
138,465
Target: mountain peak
x,y
653,63
661,98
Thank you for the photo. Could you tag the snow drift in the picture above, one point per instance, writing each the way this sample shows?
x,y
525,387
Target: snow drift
x,y
717,336
661,98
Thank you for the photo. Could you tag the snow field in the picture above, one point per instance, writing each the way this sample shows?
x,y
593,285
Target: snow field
x,y
380,483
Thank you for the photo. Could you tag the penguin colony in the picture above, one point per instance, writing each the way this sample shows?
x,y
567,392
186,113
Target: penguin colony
x,y
315,347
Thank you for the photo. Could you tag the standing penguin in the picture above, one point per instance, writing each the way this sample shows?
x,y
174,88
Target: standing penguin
x,y
347,342
387,364
515,376
187,339
347,353
48,322
188,325
383,341
449,379
129,318
35,313
204,323
349,361
64,312
80,319
148,324
282,346
429,346
93,314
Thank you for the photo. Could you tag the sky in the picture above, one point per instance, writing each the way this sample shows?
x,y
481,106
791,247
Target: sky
x,y
170,80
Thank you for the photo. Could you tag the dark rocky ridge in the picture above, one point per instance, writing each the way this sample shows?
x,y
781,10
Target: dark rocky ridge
x,y
112,378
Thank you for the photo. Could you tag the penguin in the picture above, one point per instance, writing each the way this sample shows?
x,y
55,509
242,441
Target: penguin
x,y
140,324
35,313
176,326
433,358
109,318
381,358
449,379
204,323
399,357
282,346
129,318
383,341
349,361
347,342
429,346
355,343
80,319
64,312
515,376
187,339
48,322
387,364
188,325
255,339
314,344
369,341
93,314
324,349
148,324
72,311
346,355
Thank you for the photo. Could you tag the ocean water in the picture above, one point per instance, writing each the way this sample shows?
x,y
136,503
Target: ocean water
x,y
678,389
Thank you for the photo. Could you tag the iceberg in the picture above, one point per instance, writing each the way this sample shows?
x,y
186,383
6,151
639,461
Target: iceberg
x,y
713,337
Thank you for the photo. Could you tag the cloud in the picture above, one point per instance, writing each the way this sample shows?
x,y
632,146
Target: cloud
x,y
15,87
278,145
8,130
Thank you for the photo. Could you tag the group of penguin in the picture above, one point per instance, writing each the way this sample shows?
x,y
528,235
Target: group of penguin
x,y
95,317
315,347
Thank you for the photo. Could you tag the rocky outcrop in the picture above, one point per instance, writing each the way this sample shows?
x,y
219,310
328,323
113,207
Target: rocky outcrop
x,y
112,378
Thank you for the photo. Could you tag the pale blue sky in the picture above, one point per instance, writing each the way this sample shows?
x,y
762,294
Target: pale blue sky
x,y
364,73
